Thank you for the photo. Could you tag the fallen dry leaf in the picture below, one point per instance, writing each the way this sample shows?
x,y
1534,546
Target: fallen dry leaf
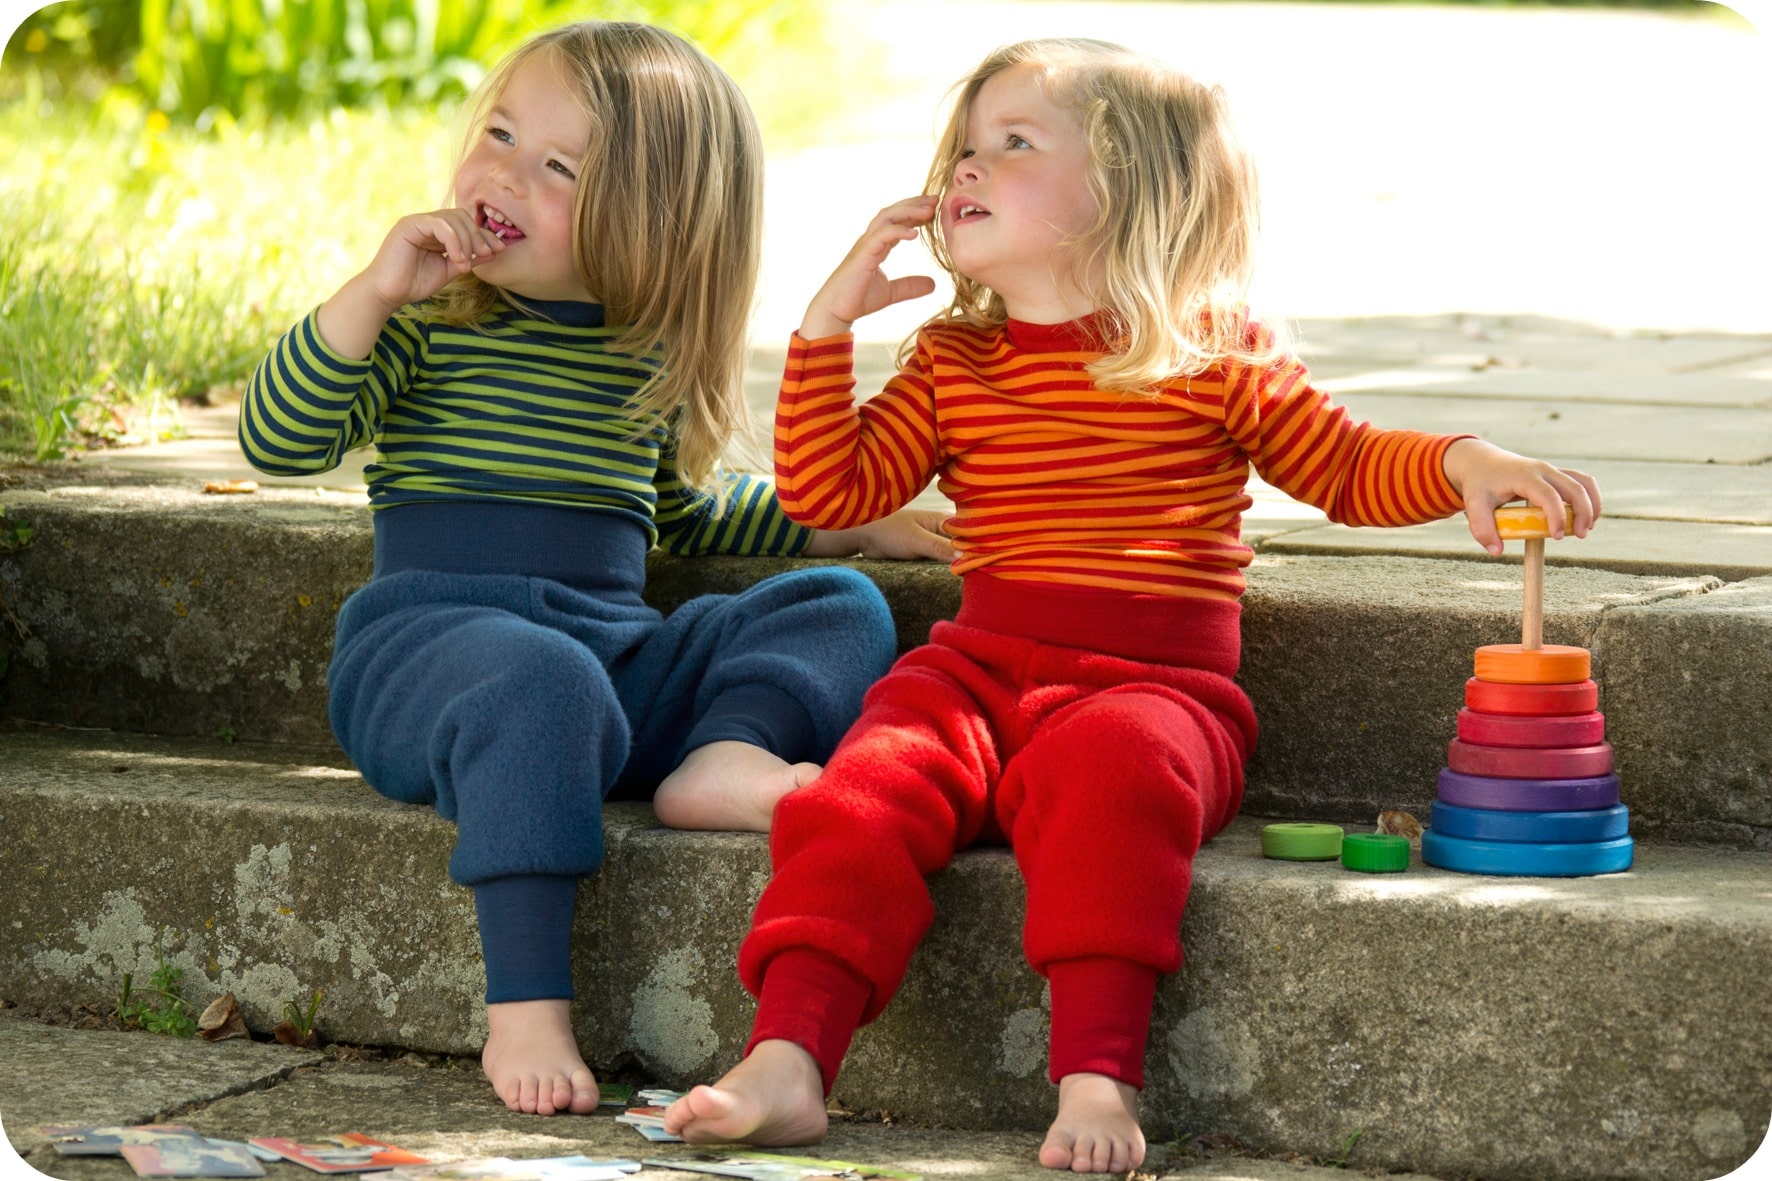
x,y
221,1020
230,487
1400,824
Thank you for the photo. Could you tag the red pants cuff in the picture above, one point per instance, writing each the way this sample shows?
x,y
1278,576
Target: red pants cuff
x,y
810,999
1101,1017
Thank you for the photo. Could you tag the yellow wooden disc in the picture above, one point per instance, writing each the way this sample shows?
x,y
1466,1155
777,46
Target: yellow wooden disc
x,y
1516,521
1553,664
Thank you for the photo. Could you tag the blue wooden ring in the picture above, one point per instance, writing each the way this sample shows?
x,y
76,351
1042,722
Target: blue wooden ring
x,y
1528,795
1524,859
1548,828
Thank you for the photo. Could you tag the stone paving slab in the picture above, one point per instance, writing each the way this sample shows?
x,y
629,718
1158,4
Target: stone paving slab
x,y
1526,341
50,1075
1688,434
1681,390
447,1112
1625,545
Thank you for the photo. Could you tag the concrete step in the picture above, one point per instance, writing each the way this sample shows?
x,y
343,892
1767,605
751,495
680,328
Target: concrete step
x,y
156,609
1472,1026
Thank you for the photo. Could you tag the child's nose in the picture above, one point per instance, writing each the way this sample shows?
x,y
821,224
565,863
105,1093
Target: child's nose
x,y
967,169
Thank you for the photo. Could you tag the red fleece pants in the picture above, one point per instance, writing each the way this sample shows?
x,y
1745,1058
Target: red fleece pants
x,y
1103,773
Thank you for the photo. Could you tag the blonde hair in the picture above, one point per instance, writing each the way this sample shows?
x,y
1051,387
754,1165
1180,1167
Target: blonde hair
x,y
668,211
1178,206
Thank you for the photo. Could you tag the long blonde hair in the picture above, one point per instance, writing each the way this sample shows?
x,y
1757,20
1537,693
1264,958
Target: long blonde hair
x,y
1178,204
669,210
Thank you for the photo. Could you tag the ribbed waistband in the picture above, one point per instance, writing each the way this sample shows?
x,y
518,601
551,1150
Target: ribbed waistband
x,y
591,551
1159,629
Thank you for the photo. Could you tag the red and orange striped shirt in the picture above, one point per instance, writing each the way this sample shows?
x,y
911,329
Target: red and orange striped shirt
x,y
1055,480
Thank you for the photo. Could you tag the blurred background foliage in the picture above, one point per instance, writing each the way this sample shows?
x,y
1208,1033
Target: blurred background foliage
x,y
187,177
196,60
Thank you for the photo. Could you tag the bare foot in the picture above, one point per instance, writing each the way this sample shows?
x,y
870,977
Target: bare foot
x,y
1097,1127
729,786
532,1059
775,1097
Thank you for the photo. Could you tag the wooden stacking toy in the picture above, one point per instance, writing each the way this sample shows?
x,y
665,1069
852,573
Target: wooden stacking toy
x,y
1529,789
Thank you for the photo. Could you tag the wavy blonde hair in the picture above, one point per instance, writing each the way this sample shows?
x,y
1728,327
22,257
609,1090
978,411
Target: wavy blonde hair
x,y
1178,204
669,210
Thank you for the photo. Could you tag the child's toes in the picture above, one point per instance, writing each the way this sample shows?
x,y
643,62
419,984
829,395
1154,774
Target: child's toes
x,y
585,1095
1058,1151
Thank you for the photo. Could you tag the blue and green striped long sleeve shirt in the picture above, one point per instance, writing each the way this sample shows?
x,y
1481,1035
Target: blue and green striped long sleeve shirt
x,y
524,408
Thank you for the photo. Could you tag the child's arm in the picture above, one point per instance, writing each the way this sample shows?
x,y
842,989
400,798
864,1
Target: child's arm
x,y
839,467
325,385
1486,476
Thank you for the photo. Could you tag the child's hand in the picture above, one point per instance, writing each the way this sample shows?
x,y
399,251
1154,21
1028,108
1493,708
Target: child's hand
x,y
1486,476
907,533
858,286
420,254
426,250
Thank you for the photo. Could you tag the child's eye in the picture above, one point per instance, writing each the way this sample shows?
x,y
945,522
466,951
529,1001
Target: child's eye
x,y
562,169
1014,142
967,153
499,133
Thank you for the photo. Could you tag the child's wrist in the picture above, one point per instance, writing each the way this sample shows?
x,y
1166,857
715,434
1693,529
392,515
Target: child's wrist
x,y
818,325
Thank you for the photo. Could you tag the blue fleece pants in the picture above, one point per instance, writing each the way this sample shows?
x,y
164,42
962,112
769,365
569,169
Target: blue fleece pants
x,y
516,705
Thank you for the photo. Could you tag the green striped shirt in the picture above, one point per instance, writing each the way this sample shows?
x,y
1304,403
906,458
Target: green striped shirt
x,y
521,407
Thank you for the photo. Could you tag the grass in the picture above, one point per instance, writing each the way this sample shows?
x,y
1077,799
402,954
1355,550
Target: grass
x,y
155,261
158,261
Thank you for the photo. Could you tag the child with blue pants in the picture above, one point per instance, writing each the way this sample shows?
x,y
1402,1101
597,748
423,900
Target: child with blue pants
x,y
550,369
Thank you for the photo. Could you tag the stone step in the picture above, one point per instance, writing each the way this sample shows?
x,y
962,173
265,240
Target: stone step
x,y
159,610
1470,1025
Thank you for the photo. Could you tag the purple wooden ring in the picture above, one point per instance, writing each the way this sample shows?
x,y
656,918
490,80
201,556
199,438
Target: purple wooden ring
x,y
1527,795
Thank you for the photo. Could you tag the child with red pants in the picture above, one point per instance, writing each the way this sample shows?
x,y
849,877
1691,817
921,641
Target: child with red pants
x,y
1092,402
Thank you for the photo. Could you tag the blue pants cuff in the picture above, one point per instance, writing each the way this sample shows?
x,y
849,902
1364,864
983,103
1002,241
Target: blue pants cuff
x,y
526,936
761,715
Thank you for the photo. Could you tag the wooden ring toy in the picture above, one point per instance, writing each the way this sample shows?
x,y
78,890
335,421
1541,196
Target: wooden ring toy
x,y
1515,522
1555,828
1530,730
1301,841
1497,697
1527,859
1516,664
1372,852
1529,762
1527,795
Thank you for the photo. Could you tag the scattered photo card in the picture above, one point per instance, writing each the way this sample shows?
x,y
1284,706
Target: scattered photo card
x,y
768,1166
655,1133
502,1168
615,1095
87,1140
191,1156
347,1152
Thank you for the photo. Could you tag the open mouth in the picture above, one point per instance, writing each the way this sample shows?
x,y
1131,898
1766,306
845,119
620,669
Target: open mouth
x,y
965,212
500,225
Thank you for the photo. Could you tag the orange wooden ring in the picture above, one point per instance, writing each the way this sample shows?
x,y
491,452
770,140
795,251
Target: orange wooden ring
x,y
1529,762
1514,664
1487,729
1494,697
1516,521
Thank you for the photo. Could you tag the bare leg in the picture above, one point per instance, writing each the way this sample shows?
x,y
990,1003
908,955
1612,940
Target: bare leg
x,y
1096,1130
729,786
775,1097
532,1059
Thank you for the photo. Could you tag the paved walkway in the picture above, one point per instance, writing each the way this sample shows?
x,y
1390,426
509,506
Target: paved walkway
x,y
1571,264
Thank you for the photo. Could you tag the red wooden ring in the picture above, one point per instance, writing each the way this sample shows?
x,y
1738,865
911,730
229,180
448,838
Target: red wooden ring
x,y
1529,762
1532,729
1494,697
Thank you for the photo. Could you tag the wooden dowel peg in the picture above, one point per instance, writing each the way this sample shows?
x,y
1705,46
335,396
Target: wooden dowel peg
x,y
1532,611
